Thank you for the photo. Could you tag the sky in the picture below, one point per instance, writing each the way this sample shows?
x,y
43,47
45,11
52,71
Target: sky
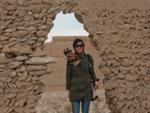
x,y
66,25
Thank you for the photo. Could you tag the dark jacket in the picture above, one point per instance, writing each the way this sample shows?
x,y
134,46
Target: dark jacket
x,y
78,79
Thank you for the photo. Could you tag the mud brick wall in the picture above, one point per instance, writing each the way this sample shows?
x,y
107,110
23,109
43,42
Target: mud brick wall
x,y
120,30
125,62
24,25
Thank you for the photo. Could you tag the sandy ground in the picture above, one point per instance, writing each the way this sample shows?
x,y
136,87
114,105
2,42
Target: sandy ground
x,y
57,102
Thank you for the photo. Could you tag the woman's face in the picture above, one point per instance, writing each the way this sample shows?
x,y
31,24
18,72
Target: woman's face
x,y
79,47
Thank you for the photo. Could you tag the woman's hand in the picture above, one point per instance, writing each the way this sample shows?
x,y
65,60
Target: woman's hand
x,y
96,85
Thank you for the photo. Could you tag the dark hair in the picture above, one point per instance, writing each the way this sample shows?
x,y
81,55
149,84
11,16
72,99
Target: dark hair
x,y
76,41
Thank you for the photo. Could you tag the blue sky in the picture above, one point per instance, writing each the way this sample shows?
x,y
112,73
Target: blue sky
x,y
66,25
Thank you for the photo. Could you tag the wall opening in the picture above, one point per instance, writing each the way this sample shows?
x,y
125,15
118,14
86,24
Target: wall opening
x,y
66,25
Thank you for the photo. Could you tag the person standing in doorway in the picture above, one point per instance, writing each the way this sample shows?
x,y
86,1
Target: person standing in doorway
x,y
78,78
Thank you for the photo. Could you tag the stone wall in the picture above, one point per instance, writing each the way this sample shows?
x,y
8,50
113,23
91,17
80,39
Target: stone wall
x,y
24,25
125,61
121,34
120,31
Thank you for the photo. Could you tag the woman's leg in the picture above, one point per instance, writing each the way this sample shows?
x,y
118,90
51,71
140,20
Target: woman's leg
x,y
75,106
85,106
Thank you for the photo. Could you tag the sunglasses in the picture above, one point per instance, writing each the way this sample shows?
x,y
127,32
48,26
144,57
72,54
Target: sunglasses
x,y
79,45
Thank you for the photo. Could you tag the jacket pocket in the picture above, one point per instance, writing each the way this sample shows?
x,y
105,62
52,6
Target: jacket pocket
x,y
78,84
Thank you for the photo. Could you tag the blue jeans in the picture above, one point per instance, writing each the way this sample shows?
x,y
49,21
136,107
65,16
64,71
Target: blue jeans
x,y
76,106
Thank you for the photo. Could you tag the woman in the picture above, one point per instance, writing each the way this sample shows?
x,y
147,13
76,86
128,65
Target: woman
x,y
78,79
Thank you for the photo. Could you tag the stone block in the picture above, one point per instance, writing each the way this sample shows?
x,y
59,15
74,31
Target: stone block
x,y
14,64
40,60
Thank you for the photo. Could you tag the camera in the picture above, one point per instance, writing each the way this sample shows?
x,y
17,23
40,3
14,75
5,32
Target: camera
x,y
71,57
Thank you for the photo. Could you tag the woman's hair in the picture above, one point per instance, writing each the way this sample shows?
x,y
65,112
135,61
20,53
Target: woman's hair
x,y
76,41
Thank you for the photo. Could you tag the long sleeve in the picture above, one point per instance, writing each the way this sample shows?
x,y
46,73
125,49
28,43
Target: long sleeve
x,y
68,75
92,72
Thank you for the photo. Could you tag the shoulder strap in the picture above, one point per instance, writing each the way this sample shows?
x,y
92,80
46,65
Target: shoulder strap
x,y
90,60
90,64
91,68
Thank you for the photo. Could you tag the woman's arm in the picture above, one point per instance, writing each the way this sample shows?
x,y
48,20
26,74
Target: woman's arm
x,y
68,75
